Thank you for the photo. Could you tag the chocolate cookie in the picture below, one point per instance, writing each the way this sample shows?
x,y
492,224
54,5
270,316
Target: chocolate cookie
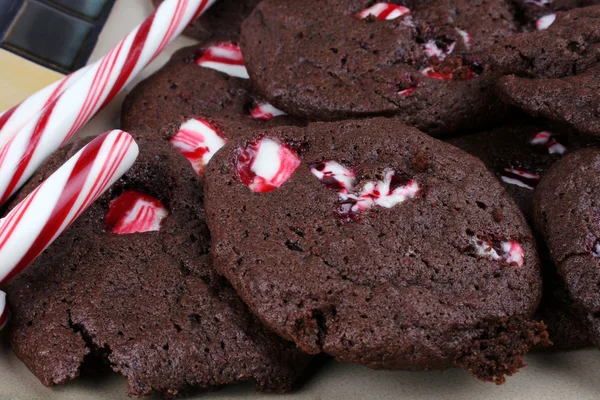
x,y
330,60
223,18
571,100
519,154
377,244
569,46
132,283
566,212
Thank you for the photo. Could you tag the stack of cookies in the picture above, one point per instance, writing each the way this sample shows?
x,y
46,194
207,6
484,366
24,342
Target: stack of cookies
x,y
407,185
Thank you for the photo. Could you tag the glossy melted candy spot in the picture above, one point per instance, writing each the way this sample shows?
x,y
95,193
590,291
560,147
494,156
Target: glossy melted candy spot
x,y
508,252
226,58
134,212
384,11
265,112
520,178
198,141
265,164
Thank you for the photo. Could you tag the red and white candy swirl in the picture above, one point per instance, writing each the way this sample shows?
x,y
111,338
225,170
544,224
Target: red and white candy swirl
x,y
65,114
12,120
43,215
384,11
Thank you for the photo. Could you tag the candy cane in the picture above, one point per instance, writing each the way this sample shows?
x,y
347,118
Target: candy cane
x,y
69,111
3,311
43,215
14,119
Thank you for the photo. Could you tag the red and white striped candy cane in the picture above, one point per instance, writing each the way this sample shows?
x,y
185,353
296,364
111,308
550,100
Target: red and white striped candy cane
x,y
3,311
43,215
69,111
12,120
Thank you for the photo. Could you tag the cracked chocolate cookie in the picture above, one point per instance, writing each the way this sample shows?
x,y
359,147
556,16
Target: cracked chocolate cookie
x,y
343,59
223,18
566,212
572,100
377,244
131,284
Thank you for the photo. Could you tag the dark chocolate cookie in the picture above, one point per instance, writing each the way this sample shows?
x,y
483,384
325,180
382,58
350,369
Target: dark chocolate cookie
x,y
377,244
573,100
148,304
519,154
223,18
569,46
566,212
329,60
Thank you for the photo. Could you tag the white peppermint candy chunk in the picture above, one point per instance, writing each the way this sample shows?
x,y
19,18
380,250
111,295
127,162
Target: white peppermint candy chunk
x,y
555,148
431,49
265,111
545,138
135,212
388,194
509,251
541,138
520,178
465,37
596,250
226,58
334,175
198,141
545,22
264,165
384,11
539,3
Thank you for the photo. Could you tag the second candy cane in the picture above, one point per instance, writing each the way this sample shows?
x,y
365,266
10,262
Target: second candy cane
x,y
46,212
69,111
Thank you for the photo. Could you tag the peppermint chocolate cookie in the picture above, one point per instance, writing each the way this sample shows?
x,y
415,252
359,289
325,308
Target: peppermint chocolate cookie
x,y
566,212
377,244
331,60
131,283
520,154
